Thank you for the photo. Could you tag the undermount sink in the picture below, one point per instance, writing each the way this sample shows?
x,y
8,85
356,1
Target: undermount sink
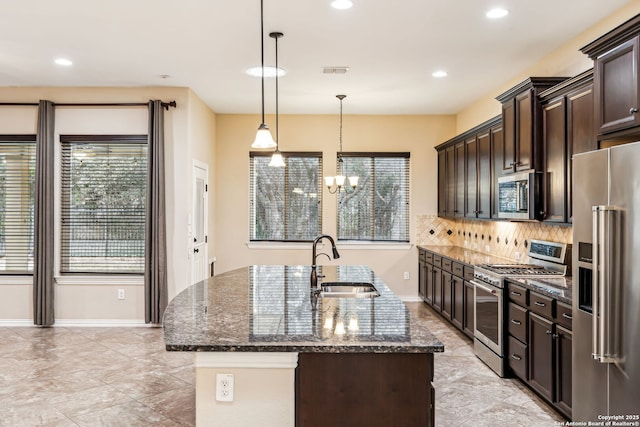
x,y
348,290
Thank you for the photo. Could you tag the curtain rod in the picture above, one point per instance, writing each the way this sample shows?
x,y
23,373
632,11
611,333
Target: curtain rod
x,y
166,105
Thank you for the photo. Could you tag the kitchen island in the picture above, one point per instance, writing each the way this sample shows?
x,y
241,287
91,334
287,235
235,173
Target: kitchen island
x,y
363,359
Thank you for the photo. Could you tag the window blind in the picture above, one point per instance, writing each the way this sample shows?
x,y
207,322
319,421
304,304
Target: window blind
x,y
378,208
103,203
285,203
17,175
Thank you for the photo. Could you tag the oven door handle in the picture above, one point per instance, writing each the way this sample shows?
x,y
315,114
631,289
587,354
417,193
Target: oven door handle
x,y
484,288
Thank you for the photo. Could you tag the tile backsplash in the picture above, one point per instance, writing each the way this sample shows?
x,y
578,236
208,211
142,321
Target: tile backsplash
x,y
501,238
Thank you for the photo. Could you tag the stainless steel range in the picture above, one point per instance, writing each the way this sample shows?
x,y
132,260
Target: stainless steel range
x,y
548,259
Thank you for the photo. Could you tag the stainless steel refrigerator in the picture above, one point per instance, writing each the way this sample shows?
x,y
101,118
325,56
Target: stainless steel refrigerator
x,y
606,283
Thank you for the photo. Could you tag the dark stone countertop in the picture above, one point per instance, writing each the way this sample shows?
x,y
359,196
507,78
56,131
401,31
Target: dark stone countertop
x,y
556,288
266,308
465,255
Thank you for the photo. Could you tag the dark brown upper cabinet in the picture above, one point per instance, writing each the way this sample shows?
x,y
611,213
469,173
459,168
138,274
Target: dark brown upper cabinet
x,y
616,85
567,118
521,147
465,178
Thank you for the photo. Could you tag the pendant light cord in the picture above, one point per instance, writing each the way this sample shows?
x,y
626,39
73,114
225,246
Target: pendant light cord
x,y
277,139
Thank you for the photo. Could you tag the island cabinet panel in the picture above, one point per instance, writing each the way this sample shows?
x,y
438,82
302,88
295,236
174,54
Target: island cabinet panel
x,y
364,389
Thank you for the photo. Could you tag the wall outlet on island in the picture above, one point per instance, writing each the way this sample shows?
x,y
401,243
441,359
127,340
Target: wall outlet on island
x,y
120,293
224,387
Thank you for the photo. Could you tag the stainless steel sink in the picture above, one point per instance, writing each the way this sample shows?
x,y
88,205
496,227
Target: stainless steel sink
x,y
348,290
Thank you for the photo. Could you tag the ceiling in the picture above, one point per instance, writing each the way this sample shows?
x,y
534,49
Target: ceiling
x,y
390,47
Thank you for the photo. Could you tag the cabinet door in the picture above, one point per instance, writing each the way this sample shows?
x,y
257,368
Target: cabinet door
x,y
457,307
483,172
616,88
460,179
442,183
437,289
497,157
450,181
429,277
471,171
555,161
422,280
447,286
541,361
508,146
563,369
524,150
468,309
580,135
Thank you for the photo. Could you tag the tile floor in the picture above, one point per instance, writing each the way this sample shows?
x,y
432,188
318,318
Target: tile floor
x,y
123,377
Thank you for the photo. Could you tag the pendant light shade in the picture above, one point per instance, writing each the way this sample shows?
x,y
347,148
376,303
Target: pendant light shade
x,y
263,136
276,159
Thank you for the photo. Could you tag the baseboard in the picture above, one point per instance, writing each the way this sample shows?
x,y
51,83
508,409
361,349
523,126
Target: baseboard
x,y
85,323
410,298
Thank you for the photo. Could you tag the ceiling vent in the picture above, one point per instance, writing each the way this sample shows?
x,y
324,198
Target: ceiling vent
x,y
335,70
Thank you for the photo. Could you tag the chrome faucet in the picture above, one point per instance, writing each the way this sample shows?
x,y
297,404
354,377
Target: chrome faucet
x,y
315,291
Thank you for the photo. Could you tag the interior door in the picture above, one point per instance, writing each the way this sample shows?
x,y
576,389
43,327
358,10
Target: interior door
x,y
199,269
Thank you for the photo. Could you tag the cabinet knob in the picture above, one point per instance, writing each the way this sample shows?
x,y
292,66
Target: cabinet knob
x,y
633,110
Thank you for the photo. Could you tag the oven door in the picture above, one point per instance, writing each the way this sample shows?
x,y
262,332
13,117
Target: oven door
x,y
488,315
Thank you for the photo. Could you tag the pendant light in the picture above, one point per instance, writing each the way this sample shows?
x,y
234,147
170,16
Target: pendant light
x,y
340,179
263,136
276,159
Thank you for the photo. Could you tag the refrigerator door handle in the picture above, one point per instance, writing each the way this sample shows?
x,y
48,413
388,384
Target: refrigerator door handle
x,y
605,287
595,306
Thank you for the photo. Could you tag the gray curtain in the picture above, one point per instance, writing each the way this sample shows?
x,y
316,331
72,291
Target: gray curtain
x,y
43,212
155,272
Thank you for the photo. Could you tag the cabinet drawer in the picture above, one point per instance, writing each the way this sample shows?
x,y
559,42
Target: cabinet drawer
x,y
518,294
457,269
421,255
563,314
541,305
468,272
428,256
518,358
437,261
517,322
447,264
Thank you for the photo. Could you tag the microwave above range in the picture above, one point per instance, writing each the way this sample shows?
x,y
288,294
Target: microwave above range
x,y
519,195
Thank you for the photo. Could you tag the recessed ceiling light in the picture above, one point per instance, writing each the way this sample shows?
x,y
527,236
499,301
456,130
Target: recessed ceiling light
x,y
63,62
342,4
439,73
269,71
497,13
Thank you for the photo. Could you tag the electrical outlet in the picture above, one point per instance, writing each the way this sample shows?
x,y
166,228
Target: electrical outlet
x,y
487,248
406,275
121,293
517,255
224,387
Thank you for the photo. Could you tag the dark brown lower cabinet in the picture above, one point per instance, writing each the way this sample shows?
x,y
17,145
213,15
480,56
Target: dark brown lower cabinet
x,y
437,289
447,303
468,322
564,346
541,358
364,389
430,278
518,357
457,297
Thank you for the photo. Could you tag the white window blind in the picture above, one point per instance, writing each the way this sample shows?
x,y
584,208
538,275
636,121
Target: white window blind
x,y
103,203
378,208
286,203
17,174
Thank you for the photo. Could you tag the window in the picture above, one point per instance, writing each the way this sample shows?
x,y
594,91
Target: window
x,y
286,203
103,203
17,176
378,208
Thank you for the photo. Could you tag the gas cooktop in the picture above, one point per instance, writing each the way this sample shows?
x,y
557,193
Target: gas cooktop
x,y
519,270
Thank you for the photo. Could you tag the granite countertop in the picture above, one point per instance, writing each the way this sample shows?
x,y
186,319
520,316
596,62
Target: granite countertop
x,y
466,256
267,308
558,288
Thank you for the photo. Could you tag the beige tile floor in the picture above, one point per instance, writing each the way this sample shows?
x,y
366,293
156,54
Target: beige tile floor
x,y
120,377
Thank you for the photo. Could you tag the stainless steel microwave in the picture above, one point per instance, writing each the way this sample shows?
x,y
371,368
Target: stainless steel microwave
x,y
519,195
